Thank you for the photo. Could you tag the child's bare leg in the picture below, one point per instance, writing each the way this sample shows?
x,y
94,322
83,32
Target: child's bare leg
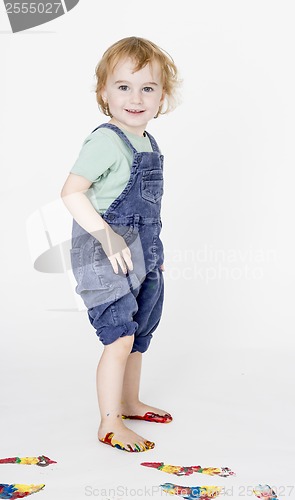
x,y
131,405
110,375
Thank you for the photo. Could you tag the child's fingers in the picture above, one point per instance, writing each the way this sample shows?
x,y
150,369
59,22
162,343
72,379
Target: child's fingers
x,y
123,261
116,260
127,257
114,263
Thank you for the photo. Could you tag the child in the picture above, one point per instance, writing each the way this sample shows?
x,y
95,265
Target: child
x,y
114,194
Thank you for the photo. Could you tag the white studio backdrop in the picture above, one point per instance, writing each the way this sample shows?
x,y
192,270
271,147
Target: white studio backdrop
x,y
228,209
228,206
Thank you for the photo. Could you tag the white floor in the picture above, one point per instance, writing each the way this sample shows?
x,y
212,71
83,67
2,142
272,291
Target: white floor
x,y
232,407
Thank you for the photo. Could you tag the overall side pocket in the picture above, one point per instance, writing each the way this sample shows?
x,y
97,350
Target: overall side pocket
x,y
76,263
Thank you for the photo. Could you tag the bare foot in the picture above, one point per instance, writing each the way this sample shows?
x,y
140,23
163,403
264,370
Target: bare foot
x,y
149,413
121,437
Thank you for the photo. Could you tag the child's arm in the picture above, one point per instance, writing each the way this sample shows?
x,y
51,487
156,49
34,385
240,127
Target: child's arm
x,y
87,217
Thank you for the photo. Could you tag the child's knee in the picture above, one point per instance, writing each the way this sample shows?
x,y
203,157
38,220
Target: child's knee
x,y
123,345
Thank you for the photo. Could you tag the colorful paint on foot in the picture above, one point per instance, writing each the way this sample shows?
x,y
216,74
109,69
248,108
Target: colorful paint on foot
x,y
110,440
151,417
194,492
179,470
264,491
42,461
11,491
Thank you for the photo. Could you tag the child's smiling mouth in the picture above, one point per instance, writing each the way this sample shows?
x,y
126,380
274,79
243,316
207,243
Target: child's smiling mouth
x,y
134,111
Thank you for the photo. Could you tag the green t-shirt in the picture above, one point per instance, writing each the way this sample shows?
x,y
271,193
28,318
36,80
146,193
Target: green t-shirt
x,y
105,160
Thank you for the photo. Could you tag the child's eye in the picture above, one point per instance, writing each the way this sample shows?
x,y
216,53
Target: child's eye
x,y
123,87
148,89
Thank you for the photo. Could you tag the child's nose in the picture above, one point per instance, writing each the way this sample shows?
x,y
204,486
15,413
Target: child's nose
x,y
136,97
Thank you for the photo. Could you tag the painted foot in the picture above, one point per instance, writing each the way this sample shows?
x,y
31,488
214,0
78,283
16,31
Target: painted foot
x,y
125,439
147,413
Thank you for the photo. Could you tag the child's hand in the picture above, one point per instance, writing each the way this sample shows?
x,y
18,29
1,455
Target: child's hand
x,y
116,249
118,252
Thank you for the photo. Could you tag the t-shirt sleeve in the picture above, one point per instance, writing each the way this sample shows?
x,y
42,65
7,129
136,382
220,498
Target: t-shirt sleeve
x,y
96,156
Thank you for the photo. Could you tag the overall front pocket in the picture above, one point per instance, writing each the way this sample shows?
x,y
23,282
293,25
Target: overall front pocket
x,y
152,185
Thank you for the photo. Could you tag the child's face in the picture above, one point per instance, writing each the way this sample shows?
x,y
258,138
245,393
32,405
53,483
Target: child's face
x,y
134,98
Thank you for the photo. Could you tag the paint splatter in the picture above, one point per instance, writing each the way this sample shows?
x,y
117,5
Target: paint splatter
x,y
264,491
42,461
194,492
11,491
179,470
151,417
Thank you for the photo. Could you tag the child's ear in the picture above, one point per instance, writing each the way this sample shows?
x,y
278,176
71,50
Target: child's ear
x,y
162,97
103,95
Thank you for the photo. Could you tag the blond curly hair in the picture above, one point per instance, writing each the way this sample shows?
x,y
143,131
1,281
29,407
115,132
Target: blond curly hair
x,y
142,52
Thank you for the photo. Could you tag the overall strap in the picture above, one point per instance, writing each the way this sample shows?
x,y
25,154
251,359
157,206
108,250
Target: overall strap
x,y
153,142
125,138
119,132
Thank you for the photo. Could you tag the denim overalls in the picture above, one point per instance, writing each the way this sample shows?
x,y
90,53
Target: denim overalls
x,y
126,304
